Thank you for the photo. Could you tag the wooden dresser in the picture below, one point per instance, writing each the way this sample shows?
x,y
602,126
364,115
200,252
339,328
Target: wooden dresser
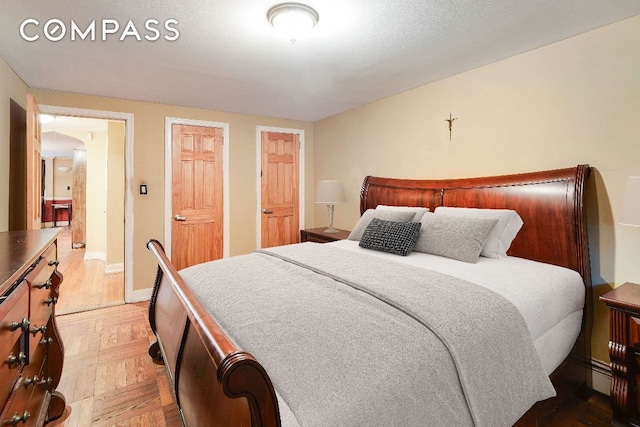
x,y
31,352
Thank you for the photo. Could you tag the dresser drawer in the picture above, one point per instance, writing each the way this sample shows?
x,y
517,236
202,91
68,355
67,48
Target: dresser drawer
x,y
42,297
37,386
44,268
41,309
25,406
13,311
38,346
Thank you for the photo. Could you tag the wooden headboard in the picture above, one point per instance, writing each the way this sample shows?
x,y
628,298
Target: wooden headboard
x,y
550,203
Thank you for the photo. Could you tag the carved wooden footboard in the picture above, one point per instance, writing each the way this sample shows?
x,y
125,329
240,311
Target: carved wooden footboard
x,y
215,384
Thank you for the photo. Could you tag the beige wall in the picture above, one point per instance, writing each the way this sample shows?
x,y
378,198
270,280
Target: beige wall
x,y
115,194
96,207
11,87
148,166
61,180
48,179
576,101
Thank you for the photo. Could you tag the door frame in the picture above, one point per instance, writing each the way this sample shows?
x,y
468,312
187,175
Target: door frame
x,y
301,177
168,176
129,294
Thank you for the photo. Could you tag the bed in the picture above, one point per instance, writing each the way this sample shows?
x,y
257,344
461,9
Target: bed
x,y
312,366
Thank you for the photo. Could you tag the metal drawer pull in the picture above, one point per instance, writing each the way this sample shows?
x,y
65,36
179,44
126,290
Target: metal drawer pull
x,y
46,284
50,301
29,381
24,325
180,218
37,329
46,381
17,419
267,211
20,358
56,262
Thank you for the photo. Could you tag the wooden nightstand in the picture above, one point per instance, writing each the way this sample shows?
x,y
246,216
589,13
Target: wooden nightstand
x,y
624,352
318,235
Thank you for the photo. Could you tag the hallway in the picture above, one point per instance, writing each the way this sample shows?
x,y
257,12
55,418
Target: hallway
x,y
85,285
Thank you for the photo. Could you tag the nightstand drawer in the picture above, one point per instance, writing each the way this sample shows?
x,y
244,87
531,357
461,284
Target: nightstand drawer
x,y
634,332
320,235
317,239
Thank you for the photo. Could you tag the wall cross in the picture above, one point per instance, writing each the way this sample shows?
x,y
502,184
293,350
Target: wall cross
x,y
450,120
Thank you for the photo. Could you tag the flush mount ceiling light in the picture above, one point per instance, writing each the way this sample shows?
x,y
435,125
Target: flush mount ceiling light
x,y
46,118
293,21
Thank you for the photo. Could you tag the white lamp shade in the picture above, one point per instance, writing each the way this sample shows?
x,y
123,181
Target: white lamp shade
x,y
630,213
330,192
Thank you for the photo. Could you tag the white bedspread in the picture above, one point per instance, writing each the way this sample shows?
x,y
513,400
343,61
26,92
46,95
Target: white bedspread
x,y
550,298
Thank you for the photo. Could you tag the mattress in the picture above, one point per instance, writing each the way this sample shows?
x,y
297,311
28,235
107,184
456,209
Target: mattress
x,y
549,297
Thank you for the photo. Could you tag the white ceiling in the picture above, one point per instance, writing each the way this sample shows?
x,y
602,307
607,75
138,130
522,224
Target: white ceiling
x,y
56,142
228,58
75,124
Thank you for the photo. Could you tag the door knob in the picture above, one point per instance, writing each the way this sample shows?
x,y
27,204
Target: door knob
x,y
267,211
180,218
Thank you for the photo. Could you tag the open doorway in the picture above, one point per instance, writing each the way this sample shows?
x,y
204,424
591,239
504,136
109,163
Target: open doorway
x,y
84,192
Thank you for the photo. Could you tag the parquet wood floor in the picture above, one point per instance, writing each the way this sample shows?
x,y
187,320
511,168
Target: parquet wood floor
x,y
108,378
85,285
596,412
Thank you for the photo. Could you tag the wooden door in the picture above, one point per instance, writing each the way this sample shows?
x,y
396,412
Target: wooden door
x,y
34,165
18,168
280,189
79,200
197,199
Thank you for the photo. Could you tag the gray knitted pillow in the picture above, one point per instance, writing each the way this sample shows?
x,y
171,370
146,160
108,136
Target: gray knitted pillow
x,y
369,214
459,238
388,236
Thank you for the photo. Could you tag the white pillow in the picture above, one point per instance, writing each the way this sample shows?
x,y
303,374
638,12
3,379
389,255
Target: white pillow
x,y
503,233
419,211
365,219
460,238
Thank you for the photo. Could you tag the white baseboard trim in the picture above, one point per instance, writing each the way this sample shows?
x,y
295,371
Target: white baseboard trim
x,y
95,255
114,268
601,376
139,295
49,224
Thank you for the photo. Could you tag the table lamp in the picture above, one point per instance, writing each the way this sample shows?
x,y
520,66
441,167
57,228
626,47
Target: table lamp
x,y
330,192
630,213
